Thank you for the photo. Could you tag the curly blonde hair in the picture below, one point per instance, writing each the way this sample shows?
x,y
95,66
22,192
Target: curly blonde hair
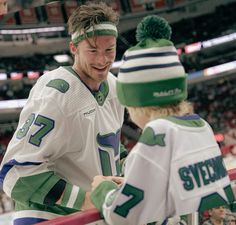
x,y
90,14
153,112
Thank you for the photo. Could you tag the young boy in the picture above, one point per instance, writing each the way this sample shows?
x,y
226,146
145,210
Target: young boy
x,y
176,168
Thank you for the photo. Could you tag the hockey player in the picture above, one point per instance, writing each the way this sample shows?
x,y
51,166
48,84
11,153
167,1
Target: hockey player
x,y
69,129
176,167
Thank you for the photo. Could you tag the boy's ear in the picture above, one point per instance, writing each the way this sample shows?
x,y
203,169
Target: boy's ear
x,y
73,48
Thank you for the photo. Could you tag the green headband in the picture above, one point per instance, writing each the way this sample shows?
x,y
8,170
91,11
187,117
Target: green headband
x,y
97,30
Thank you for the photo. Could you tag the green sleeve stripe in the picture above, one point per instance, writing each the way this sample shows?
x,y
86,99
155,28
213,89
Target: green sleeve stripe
x,y
40,195
59,84
99,194
34,188
73,197
66,194
56,209
80,199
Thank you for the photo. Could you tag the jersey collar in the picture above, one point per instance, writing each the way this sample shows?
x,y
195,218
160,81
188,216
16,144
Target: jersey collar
x,y
99,95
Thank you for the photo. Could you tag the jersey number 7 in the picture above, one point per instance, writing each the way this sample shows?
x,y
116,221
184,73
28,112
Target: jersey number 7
x,y
137,196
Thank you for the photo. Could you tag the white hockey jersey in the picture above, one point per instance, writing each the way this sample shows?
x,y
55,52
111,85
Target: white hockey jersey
x,y
176,168
66,135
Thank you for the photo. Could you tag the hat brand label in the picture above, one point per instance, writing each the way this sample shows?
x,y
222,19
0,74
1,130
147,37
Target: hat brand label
x,y
171,92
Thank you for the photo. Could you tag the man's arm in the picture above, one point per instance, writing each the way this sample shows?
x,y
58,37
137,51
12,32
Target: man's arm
x,y
27,173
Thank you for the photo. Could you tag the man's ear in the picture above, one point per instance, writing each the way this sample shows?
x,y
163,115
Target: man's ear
x,y
73,48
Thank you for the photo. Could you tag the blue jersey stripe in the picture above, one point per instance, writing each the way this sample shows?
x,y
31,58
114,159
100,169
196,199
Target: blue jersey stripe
x,y
188,117
28,221
7,166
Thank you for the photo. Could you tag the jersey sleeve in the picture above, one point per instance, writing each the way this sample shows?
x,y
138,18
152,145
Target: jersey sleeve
x,y
132,203
27,173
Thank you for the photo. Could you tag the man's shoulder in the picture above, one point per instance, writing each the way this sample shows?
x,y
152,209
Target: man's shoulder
x,y
59,72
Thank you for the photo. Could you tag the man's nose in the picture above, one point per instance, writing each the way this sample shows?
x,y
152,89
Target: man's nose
x,y
101,58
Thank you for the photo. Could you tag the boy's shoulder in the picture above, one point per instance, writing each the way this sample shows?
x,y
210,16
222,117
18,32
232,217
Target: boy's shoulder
x,y
193,121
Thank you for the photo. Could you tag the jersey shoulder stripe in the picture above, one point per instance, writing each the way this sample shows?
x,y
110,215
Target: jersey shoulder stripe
x,y
59,84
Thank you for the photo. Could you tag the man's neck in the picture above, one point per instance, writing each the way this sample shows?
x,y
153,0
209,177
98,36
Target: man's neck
x,y
91,84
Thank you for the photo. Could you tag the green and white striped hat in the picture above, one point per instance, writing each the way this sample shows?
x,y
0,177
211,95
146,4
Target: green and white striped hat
x,y
104,28
151,73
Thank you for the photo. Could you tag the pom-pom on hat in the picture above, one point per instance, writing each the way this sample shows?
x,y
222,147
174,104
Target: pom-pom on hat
x,y
151,73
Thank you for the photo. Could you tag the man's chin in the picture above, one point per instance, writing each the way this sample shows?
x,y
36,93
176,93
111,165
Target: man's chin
x,y
103,75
